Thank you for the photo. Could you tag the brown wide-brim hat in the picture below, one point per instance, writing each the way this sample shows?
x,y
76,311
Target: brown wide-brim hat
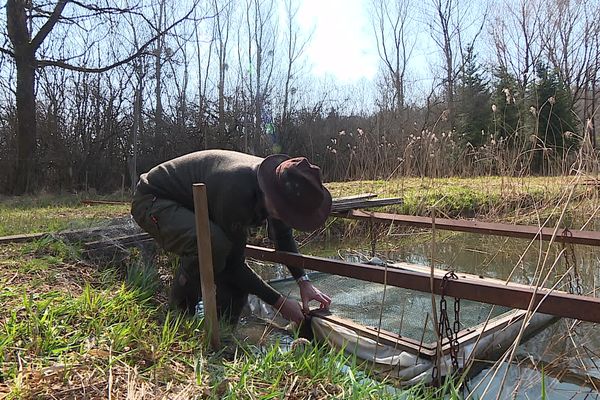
x,y
294,187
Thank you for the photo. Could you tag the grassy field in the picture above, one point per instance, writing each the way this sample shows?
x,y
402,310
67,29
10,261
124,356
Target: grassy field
x,y
53,213
520,200
72,327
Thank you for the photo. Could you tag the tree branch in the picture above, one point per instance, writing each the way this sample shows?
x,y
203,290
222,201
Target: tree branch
x,y
139,52
49,25
6,51
104,10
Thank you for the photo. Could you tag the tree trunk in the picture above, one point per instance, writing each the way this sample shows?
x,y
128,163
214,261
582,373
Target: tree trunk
x,y
135,129
24,55
158,51
26,128
221,87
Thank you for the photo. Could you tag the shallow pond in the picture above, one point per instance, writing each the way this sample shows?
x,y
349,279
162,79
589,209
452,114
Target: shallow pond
x,y
564,346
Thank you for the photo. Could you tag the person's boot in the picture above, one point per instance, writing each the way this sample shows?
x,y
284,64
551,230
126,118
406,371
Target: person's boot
x,y
185,289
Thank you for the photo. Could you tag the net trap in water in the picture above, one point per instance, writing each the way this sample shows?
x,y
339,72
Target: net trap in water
x,y
384,314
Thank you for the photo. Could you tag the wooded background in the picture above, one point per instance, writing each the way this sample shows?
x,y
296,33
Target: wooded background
x,y
93,93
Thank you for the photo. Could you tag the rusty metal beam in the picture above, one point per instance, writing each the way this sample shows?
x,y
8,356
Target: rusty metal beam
x,y
574,236
560,304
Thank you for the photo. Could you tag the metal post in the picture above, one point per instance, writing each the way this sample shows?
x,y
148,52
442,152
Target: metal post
x,y
207,279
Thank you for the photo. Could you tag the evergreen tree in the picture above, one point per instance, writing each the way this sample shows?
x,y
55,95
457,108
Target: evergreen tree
x,y
474,112
552,120
508,106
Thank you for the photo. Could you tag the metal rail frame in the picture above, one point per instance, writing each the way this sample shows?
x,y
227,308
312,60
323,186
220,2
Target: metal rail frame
x,y
560,304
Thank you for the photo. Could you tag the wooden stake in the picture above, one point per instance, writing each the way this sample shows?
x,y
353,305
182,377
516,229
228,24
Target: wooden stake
x,y
207,279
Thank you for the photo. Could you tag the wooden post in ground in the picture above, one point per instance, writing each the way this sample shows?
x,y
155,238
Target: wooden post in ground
x,y
207,279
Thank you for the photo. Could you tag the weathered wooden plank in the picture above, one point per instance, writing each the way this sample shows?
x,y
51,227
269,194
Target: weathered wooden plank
x,y
21,238
350,199
29,237
339,207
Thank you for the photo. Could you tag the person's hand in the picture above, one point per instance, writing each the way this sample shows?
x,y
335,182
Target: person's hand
x,y
290,309
309,292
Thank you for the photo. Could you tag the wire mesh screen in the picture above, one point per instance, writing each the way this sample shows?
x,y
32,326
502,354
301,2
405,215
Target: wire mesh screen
x,y
400,311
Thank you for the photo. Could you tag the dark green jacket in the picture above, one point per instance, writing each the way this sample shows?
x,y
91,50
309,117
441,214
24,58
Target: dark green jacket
x,y
235,204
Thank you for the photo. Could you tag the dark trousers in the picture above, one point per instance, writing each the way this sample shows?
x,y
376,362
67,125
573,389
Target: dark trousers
x,y
174,228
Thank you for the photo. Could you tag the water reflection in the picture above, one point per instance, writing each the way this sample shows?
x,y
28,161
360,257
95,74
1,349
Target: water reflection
x,y
498,257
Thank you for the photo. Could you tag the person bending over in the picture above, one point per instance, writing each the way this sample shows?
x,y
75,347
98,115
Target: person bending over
x,y
243,191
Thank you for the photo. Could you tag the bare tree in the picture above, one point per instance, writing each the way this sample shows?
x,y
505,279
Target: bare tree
x,y
27,33
444,33
592,97
394,45
24,47
159,50
295,48
181,40
570,41
451,22
566,40
140,68
517,38
261,31
221,31
204,62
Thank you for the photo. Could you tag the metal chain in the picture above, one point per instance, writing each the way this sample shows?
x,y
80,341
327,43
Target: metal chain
x,y
444,329
456,328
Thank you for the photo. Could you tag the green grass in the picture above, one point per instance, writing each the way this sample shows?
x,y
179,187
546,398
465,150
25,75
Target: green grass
x,y
20,215
519,200
59,338
94,325
313,373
